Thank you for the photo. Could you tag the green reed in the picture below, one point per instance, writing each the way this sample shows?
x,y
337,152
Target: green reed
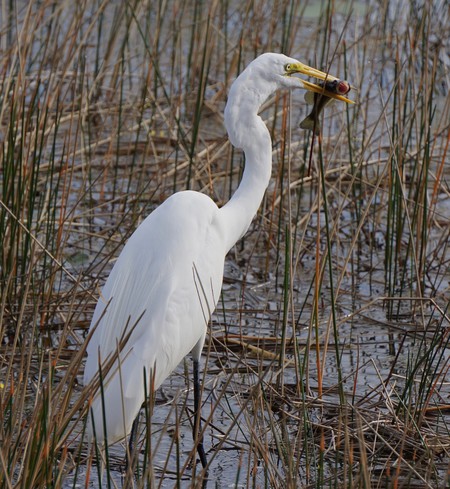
x,y
105,110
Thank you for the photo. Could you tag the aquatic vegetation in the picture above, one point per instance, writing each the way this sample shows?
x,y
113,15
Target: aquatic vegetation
x,y
327,359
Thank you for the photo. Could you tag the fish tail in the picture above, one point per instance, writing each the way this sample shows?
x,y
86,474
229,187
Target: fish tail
x,y
310,124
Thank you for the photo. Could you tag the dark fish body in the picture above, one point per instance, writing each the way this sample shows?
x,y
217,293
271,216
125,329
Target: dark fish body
x,y
320,101
311,122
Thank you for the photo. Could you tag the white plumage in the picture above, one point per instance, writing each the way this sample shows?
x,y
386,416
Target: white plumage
x,y
164,286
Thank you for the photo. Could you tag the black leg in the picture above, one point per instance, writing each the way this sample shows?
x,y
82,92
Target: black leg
x,y
132,444
197,435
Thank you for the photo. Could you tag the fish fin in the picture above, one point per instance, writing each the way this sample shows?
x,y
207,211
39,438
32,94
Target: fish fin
x,y
308,124
309,98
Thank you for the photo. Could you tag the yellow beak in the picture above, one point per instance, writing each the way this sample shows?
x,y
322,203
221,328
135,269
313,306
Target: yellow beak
x,y
293,68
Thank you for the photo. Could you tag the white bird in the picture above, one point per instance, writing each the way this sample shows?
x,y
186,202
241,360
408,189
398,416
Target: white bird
x,y
167,280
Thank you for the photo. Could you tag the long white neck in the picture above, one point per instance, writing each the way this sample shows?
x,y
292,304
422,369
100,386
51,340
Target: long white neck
x,y
247,131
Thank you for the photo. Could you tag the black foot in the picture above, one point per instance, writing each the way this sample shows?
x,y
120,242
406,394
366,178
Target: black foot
x,y
197,431
130,457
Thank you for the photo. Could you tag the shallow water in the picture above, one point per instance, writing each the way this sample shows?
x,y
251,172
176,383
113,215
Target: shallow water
x,y
260,400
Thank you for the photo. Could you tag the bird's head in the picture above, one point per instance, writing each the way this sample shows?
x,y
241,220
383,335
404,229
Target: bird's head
x,y
281,70
263,76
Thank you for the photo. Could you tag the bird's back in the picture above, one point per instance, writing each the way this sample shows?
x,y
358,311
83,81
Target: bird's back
x,y
161,292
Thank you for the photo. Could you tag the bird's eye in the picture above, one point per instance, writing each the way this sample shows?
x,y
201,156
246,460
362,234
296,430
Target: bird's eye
x,y
287,67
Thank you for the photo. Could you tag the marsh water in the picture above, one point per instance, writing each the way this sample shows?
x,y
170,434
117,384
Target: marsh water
x,y
334,305
270,333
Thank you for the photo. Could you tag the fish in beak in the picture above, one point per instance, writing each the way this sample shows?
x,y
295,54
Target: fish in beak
x,y
328,91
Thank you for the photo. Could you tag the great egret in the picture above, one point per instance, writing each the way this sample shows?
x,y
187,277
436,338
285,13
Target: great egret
x,y
167,280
